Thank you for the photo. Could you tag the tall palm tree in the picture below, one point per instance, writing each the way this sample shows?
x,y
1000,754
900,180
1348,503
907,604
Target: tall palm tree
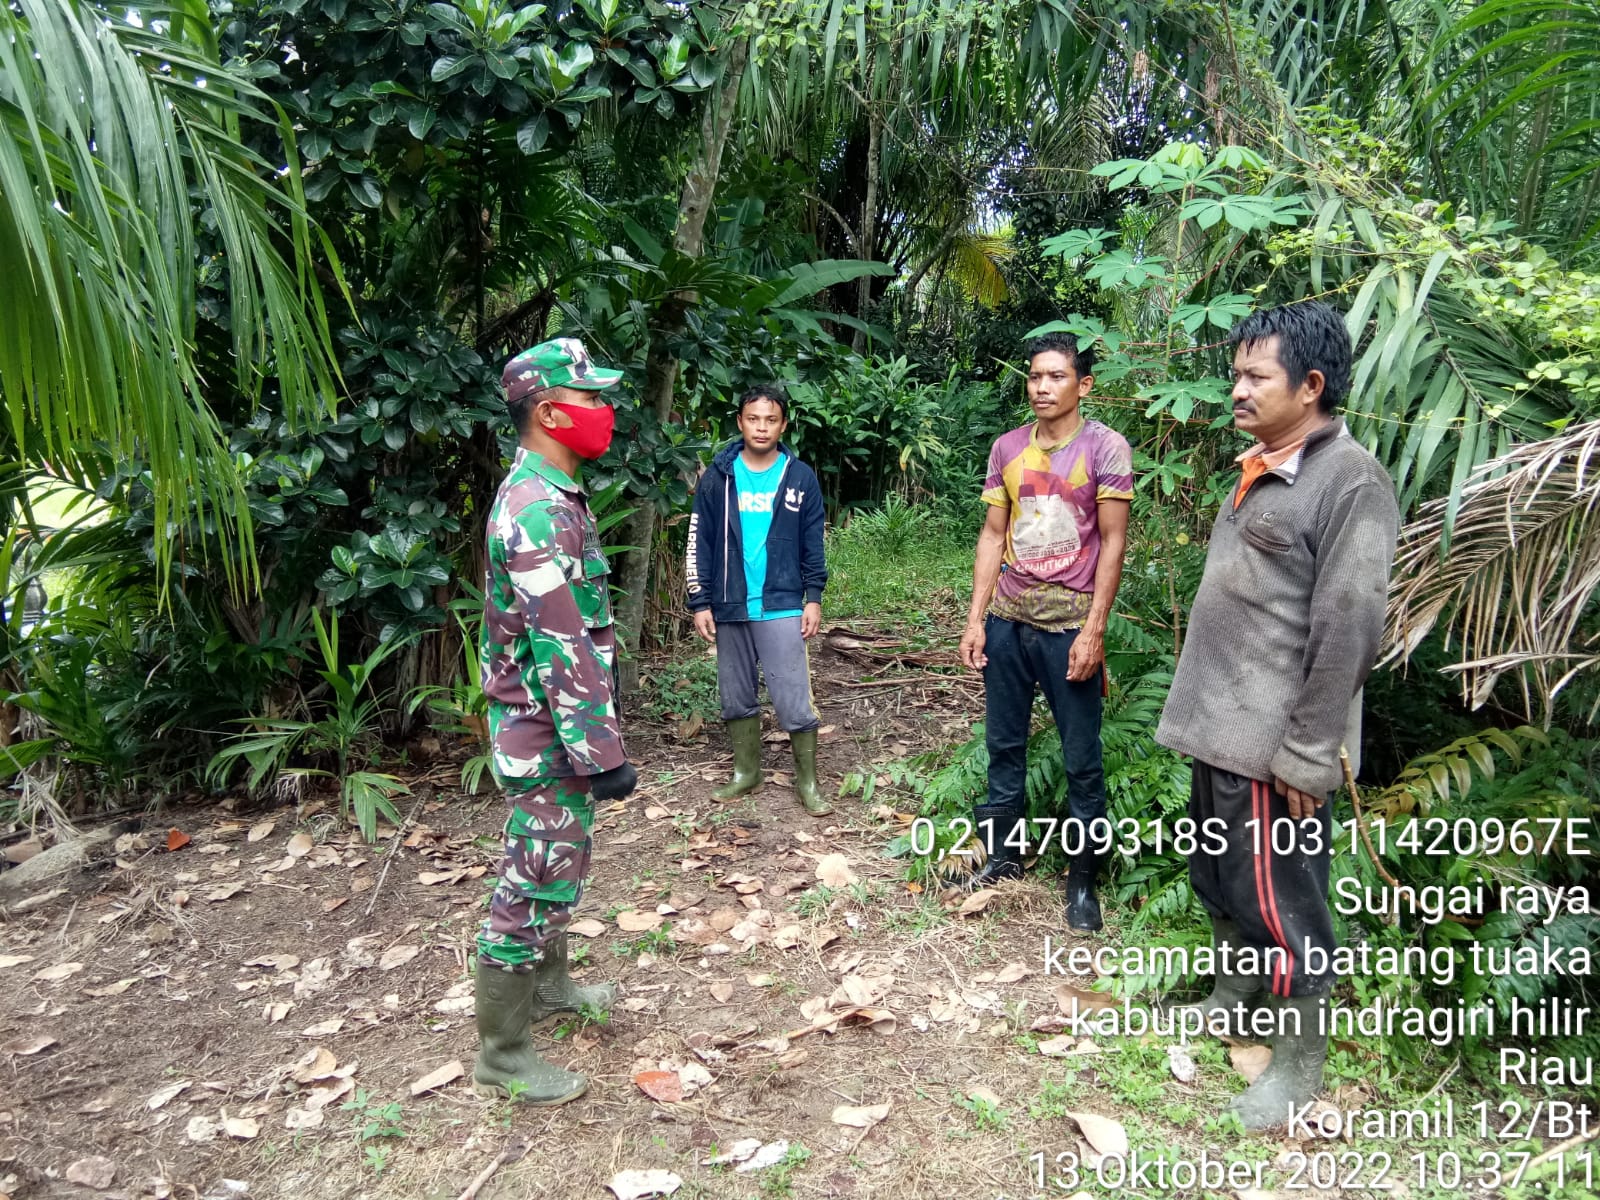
x,y
116,143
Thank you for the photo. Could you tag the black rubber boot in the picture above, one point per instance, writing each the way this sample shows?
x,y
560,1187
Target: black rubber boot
x,y
1083,907
1234,995
1003,862
804,745
745,734
554,991
508,1065
1294,1077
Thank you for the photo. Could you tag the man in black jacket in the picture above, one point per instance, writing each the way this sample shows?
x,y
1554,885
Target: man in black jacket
x,y
756,575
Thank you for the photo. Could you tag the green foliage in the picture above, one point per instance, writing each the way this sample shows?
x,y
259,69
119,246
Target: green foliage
x,y
342,728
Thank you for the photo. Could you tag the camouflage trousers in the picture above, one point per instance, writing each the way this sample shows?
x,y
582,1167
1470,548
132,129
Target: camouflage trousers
x,y
542,874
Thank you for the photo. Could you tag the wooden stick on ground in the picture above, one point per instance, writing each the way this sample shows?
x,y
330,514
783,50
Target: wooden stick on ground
x,y
514,1150
394,848
1361,824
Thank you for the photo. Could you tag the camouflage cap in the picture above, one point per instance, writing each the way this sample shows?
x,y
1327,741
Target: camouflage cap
x,y
561,362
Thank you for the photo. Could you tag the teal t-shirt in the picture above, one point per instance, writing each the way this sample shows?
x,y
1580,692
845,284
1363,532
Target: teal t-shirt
x,y
758,493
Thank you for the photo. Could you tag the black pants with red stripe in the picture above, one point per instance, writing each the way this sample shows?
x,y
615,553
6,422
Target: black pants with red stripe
x,y
1270,877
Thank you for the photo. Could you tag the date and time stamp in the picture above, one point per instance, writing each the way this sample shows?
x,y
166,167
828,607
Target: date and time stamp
x,y
1489,1168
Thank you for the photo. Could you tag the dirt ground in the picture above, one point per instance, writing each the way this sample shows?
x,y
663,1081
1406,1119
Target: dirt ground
x,y
250,1013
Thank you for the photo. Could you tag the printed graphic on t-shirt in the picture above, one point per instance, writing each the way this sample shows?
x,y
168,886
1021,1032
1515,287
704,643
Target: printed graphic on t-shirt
x,y
1044,531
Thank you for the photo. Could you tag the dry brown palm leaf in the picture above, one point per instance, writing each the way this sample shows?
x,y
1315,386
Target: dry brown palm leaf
x,y
1519,580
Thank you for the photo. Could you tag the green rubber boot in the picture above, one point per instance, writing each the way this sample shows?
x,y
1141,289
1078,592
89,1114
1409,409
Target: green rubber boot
x,y
554,991
508,1065
745,734
1220,1012
1294,1077
804,745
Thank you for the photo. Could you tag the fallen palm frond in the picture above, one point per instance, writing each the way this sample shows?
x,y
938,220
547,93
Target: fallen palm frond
x,y
1520,576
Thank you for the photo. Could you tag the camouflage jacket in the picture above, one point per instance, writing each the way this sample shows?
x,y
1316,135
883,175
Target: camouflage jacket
x,y
548,644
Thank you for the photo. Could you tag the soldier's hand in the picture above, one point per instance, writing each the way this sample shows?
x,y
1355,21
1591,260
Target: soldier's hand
x,y
615,783
1301,804
705,625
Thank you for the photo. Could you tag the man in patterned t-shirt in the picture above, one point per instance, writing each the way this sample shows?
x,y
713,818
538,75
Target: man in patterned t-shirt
x,y
1048,565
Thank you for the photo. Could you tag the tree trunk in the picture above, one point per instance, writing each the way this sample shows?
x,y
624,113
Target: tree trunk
x,y
661,368
869,213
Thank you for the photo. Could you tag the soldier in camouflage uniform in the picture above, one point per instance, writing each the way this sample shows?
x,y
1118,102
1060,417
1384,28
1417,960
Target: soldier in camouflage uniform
x,y
547,655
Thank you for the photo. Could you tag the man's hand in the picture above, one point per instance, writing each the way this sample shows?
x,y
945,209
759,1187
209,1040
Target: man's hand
x,y
706,626
1087,653
1301,804
810,620
971,650
615,783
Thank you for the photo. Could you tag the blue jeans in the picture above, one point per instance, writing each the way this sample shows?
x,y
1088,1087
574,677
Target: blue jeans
x,y
1022,658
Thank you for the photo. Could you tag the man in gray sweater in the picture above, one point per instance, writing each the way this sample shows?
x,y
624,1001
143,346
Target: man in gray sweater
x,y
1281,637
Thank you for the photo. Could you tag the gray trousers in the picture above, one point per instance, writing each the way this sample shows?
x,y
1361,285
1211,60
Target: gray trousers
x,y
748,649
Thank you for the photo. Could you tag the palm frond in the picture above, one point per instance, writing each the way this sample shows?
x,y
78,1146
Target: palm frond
x,y
1520,579
105,130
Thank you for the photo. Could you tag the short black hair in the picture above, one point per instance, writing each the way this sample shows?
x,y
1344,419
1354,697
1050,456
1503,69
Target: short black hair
x,y
1064,343
766,391
521,410
1311,337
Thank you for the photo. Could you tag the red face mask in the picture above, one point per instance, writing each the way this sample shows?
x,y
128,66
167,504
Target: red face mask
x,y
589,435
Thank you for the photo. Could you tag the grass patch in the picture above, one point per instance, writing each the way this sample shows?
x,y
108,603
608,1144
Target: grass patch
x,y
906,560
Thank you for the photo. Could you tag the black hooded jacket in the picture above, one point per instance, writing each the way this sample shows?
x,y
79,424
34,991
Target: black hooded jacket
x,y
796,573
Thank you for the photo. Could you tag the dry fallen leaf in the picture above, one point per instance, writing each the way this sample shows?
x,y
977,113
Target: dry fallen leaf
x,y
278,962
323,1028
976,902
1012,972
987,1094
634,921
14,960
738,1152
429,878
92,1172
834,871
1250,1061
587,927
278,1011
224,890
1072,1000
1105,1135
58,972
299,845
656,813
769,1155
320,1097
435,1079
303,1118
315,1064
201,1129
243,1128
161,1095
397,956
665,1087
637,1185
861,1117
1183,1068
259,830
1056,1047
722,992
761,981
112,989
177,839
28,1044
